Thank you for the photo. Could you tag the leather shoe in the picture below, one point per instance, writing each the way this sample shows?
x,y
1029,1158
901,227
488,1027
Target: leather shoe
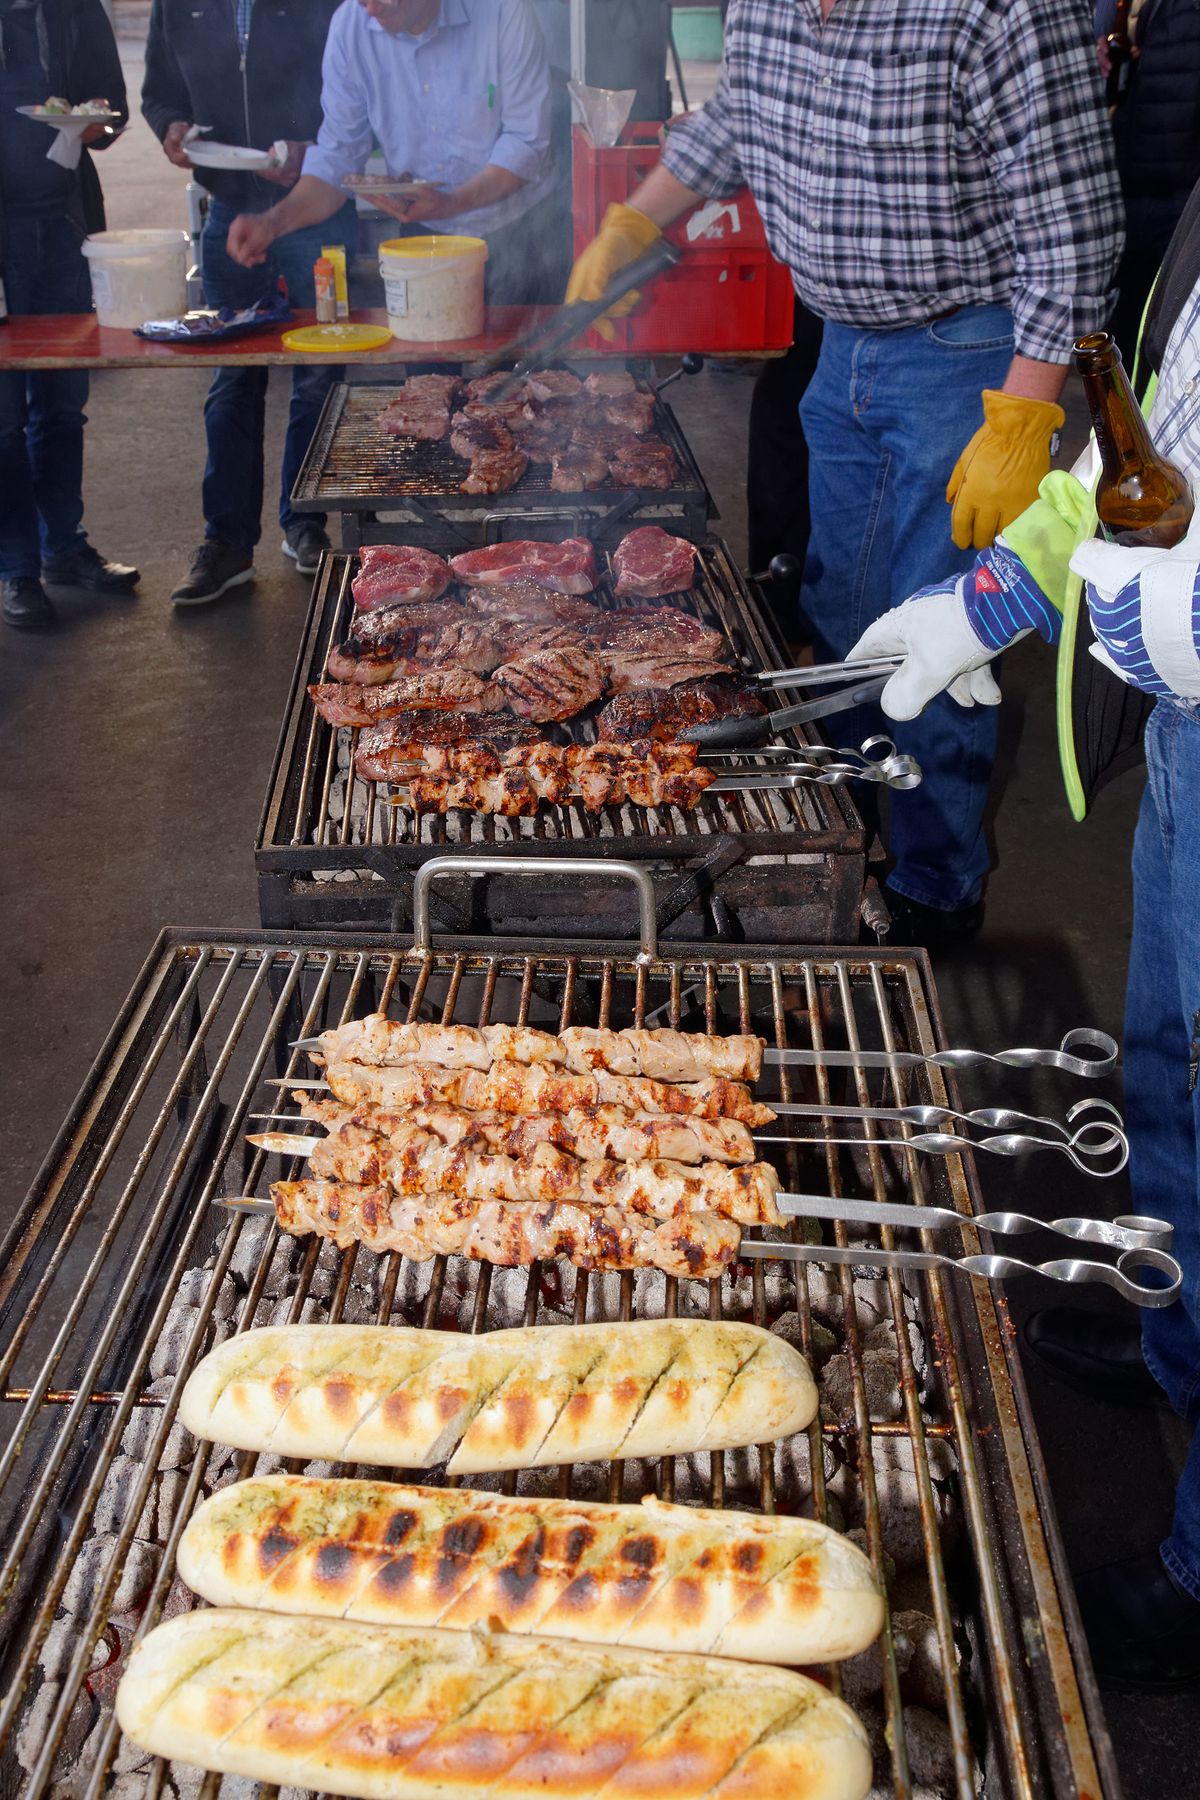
x,y
931,927
85,568
1143,1630
1095,1353
25,603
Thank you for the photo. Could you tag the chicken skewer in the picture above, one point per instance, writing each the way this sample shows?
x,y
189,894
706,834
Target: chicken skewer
x,y
412,1161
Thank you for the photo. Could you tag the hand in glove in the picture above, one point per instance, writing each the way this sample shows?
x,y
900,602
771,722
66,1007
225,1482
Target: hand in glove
x,y
949,634
623,236
998,473
1146,612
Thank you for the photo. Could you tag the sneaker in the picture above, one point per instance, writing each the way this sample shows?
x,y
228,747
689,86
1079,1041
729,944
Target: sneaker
x,y
304,544
85,568
216,567
25,604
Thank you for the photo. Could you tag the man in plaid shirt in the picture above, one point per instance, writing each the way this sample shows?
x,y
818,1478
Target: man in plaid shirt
x,y
938,177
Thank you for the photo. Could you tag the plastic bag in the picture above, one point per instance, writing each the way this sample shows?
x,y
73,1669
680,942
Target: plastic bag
x,y
603,112
209,325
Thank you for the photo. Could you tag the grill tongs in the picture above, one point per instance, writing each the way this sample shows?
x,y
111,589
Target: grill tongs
x,y
851,684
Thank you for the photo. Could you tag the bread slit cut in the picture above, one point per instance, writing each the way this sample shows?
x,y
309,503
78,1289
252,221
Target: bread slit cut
x,y
511,1423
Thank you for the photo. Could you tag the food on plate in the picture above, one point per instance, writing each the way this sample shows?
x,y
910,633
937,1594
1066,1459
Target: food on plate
x,y
426,1714
430,690
544,685
515,1088
652,1576
508,1233
662,714
599,1131
398,576
644,464
385,749
661,1054
649,562
517,1399
568,567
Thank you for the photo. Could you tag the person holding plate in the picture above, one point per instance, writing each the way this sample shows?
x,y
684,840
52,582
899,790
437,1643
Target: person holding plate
x,y
244,76
456,93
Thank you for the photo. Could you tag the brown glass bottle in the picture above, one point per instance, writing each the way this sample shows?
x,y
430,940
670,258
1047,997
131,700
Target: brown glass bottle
x,y
1141,498
1120,55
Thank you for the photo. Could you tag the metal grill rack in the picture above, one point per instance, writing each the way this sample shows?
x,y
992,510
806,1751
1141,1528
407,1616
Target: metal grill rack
x,y
118,1273
395,490
772,867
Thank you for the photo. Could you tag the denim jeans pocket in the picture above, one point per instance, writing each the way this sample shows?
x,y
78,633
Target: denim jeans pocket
x,y
973,328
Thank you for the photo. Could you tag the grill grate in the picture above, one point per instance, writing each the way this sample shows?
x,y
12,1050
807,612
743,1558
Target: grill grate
x,y
796,857
118,1274
353,467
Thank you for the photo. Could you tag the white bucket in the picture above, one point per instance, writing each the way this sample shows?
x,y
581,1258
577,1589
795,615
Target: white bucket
x,y
137,275
434,287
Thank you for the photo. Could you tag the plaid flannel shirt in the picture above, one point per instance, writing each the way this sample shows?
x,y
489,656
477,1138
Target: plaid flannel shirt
x,y
910,156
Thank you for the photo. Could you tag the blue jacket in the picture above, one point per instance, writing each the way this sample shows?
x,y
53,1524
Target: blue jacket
x,y
81,63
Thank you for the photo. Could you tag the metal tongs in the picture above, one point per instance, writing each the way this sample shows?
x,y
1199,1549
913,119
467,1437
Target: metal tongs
x,y
852,684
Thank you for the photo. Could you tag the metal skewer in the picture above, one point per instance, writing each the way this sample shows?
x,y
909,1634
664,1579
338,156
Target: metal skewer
x,y
1066,1058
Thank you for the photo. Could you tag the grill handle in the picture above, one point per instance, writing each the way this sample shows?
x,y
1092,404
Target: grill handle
x,y
537,865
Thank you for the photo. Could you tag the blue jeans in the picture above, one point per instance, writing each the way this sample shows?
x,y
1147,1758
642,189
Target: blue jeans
x,y
1162,1095
885,417
41,413
235,410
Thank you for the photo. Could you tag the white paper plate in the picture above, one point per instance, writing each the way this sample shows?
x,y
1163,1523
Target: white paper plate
x,y
227,156
366,187
72,121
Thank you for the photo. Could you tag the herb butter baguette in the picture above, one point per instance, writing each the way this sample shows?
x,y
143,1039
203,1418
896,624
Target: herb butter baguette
x,y
660,1577
386,1712
519,1399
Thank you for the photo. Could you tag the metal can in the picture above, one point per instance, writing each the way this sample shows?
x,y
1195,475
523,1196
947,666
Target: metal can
x,y
323,282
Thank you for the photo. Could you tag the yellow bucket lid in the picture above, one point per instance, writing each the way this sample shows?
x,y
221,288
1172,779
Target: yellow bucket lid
x,y
433,248
337,337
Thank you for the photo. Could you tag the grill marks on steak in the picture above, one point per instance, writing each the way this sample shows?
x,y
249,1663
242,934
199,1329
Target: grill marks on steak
x,y
495,471
553,384
663,714
657,669
568,567
650,561
430,690
398,575
645,465
387,750
634,412
551,684
469,435
576,470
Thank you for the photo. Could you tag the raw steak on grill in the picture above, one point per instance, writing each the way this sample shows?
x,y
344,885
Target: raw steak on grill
x,y
661,714
644,465
657,629
553,384
566,568
613,381
649,562
415,417
385,749
575,471
628,669
634,411
398,575
495,471
551,684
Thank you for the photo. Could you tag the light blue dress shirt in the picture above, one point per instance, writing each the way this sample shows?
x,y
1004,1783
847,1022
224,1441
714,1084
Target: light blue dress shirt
x,y
471,91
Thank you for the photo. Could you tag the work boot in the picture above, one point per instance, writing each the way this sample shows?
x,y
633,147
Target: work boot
x,y
1143,1629
25,603
85,568
931,927
1096,1353
304,544
216,567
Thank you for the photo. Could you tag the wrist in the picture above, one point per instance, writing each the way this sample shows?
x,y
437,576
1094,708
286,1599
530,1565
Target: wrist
x,y
1002,600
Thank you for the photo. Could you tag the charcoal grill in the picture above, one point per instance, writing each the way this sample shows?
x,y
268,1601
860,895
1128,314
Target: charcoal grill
x,y
392,490
118,1273
770,867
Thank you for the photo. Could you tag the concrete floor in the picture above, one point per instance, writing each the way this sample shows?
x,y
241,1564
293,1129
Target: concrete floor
x,y
135,744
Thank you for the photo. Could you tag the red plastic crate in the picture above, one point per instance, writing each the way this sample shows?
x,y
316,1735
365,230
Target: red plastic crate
x,y
729,293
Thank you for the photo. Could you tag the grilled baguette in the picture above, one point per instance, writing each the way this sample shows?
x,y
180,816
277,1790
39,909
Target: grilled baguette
x,y
658,1577
517,1399
421,1715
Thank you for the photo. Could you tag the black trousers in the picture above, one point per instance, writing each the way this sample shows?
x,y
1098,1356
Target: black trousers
x,y
777,469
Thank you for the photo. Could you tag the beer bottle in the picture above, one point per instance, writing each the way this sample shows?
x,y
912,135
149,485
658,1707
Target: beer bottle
x,y
1141,498
1120,55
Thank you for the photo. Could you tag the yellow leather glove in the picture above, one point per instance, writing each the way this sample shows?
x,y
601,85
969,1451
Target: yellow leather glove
x,y
998,473
623,235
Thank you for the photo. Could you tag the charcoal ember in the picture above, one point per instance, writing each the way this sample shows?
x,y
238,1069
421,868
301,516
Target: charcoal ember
x,y
899,1504
256,1236
822,1342
115,1498
862,1675
738,1300
91,1569
859,1536
35,1729
882,1338
180,1446
168,1498
129,1759
825,1299
312,1312
924,1678
170,1347
930,1750
58,1651
193,1288
880,1382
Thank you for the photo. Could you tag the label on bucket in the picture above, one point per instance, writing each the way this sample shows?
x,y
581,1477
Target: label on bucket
x,y
396,289
102,292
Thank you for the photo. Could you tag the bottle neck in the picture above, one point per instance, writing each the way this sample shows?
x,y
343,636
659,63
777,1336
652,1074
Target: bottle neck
x,y
1121,432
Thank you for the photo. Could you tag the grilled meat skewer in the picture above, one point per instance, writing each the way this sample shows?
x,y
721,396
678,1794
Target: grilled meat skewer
x,y
517,791
583,1049
508,1234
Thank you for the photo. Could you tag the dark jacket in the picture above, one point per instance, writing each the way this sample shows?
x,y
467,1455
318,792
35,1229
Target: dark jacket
x,y
82,64
1156,127
194,71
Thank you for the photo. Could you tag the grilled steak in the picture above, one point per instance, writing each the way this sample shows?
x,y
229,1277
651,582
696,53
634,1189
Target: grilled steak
x,y
426,419
391,630
464,643
565,568
551,684
383,748
595,432
553,384
440,389
484,387
649,561
470,434
628,669
645,465
610,382
635,412
529,605
495,471
522,637
661,715
575,471
541,439
430,690
398,576
664,630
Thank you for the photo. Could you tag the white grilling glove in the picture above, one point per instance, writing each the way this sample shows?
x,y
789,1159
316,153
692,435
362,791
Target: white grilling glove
x,y
941,652
1145,612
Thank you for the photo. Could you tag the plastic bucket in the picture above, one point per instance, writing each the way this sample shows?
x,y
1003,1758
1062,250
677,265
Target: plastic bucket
x,y
138,275
433,287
